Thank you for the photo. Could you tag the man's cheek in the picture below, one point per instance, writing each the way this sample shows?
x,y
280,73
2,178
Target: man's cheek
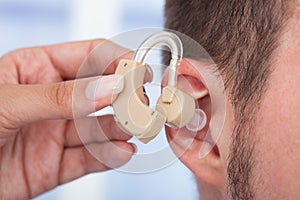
x,y
277,148
276,165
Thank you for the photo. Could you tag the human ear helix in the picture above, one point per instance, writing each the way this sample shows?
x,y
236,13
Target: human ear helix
x,y
174,107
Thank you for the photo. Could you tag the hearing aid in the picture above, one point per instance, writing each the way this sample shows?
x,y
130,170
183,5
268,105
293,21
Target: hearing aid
x,y
174,107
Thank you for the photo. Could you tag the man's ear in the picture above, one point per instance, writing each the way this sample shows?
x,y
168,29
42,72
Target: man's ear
x,y
191,146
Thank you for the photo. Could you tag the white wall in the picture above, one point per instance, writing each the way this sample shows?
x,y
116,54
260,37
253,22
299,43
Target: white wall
x,y
95,18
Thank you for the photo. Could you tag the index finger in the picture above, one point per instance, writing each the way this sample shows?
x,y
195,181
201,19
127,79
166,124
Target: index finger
x,y
91,58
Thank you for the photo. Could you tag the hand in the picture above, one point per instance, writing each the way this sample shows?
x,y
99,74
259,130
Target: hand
x,y
39,145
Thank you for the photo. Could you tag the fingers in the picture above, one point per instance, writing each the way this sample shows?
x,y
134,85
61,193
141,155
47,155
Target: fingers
x,y
93,130
78,161
24,104
61,62
99,57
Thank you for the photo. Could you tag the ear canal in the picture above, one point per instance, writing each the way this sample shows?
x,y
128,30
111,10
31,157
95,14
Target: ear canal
x,y
198,122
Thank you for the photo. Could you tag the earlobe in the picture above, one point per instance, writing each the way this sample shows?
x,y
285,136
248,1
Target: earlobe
x,y
209,169
187,147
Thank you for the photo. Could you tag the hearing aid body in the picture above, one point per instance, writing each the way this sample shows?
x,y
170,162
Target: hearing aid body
x,y
136,117
174,107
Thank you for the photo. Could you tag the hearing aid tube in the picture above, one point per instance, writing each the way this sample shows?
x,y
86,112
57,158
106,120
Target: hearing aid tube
x,y
168,39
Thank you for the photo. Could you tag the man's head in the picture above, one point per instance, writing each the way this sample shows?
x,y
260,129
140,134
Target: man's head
x,y
255,44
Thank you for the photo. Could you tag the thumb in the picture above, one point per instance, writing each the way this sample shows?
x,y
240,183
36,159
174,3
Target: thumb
x,y
24,104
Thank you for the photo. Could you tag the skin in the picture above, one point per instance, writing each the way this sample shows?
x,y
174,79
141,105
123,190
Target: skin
x,y
276,172
39,155
39,144
278,128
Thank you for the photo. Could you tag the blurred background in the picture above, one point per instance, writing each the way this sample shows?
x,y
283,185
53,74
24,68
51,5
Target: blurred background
x,y
25,23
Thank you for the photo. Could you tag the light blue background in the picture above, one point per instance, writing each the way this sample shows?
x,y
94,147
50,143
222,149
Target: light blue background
x,y
26,23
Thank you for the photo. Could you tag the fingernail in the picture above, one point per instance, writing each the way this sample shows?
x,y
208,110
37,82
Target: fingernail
x,y
135,148
104,86
148,75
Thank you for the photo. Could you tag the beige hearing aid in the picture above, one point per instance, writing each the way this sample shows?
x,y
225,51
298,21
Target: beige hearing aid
x,y
174,107
135,116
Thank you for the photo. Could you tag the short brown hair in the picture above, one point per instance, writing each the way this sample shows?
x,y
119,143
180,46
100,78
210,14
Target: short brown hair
x,y
240,36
